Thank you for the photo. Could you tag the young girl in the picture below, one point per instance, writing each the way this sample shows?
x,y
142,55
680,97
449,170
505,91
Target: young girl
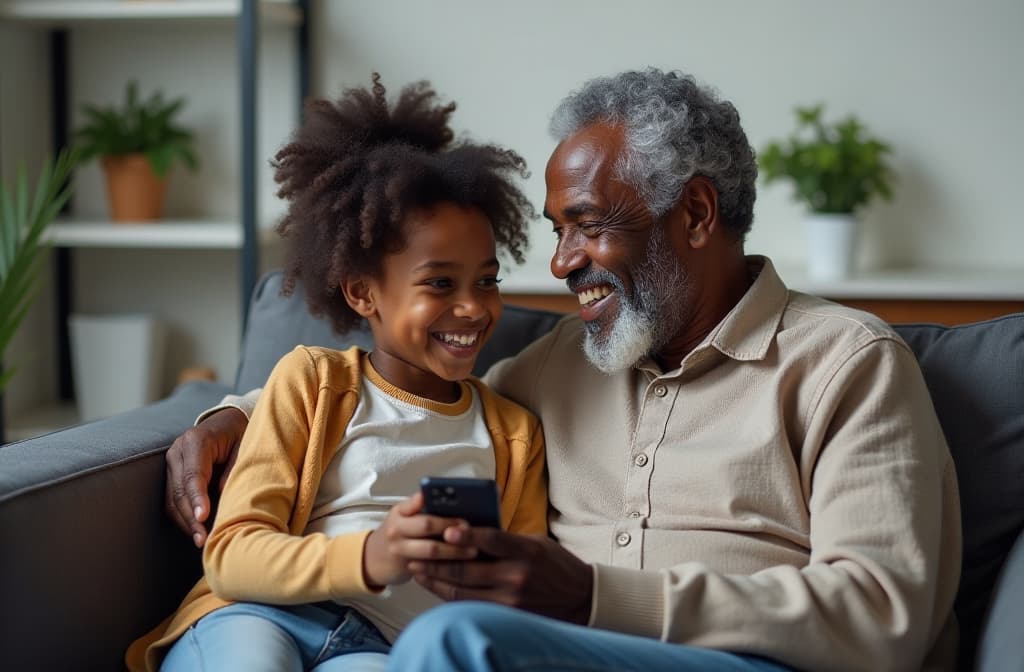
x,y
391,222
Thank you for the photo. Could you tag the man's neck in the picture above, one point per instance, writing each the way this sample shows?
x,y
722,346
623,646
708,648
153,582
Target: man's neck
x,y
714,298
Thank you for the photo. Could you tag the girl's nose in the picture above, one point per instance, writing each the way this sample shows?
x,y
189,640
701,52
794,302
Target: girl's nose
x,y
469,306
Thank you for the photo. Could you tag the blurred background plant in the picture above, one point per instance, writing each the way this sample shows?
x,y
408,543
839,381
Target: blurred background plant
x,y
139,127
24,217
834,168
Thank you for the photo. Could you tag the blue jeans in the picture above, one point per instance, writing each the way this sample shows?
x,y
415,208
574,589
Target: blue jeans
x,y
475,636
325,637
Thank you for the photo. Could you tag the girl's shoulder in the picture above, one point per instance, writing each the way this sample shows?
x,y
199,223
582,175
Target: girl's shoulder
x,y
322,367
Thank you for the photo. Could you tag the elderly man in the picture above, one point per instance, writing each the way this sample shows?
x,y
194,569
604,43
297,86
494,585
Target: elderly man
x,y
741,476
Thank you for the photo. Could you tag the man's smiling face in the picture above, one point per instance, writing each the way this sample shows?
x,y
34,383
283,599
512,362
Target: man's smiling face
x,y
611,251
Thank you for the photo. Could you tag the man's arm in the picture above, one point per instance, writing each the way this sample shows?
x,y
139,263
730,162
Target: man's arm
x,y
193,457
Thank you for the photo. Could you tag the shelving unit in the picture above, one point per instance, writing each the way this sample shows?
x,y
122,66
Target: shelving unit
x,y
168,234
240,232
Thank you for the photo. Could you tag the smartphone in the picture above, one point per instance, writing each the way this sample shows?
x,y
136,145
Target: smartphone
x,y
475,500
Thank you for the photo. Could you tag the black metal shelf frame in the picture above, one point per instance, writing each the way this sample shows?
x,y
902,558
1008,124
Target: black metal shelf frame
x,y
247,38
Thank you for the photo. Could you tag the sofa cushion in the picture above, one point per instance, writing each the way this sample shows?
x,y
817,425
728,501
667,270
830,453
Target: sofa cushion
x,y
975,374
277,324
88,560
1001,647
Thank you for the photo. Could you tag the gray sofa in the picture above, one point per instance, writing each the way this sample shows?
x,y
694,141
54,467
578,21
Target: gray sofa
x,y
88,560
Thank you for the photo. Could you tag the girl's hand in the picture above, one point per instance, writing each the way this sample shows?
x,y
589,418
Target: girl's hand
x,y
406,535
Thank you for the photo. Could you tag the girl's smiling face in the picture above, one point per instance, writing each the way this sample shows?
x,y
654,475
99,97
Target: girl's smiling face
x,y
435,303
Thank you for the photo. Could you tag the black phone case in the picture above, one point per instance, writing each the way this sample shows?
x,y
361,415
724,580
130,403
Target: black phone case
x,y
475,500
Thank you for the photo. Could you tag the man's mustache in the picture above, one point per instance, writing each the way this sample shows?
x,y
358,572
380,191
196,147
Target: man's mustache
x,y
589,276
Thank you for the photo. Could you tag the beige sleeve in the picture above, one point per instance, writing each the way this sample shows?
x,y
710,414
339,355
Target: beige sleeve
x,y
884,531
244,402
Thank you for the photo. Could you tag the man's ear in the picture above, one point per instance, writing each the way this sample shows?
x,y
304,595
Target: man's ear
x,y
699,205
358,296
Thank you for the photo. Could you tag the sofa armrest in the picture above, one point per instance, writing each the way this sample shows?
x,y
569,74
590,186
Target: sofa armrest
x,y
1001,646
88,560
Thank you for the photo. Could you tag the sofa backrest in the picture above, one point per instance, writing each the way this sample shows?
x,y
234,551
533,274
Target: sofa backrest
x,y
975,374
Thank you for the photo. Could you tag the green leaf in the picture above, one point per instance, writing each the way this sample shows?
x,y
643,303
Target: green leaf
x,y
21,197
140,125
160,159
6,376
25,217
833,167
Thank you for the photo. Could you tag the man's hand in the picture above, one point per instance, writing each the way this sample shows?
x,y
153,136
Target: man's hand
x,y
531,573
190,463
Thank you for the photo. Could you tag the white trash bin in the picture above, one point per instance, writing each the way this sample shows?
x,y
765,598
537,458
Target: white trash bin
x,y
117,361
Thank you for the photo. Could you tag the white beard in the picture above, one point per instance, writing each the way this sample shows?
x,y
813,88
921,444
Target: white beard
x,y
649,318
627,342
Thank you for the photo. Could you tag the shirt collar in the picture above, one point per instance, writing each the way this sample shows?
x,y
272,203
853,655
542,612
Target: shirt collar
x,y
747,331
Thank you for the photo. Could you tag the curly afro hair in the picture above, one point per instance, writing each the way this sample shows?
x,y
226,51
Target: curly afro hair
x,y
354,170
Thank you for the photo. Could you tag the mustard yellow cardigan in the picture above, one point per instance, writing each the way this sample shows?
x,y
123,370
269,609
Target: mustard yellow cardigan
x,y
257,551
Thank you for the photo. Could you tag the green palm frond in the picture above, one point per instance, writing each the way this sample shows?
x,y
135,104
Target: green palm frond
x,y
23,220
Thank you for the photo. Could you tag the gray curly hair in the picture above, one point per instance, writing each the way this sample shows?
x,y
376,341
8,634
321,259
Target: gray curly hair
x,y
675,129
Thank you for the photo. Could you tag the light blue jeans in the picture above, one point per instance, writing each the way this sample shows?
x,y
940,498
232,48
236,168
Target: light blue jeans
x,y
479,637
324,637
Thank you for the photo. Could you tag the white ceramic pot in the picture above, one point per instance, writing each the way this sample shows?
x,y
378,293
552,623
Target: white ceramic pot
x,y
116,361
831,241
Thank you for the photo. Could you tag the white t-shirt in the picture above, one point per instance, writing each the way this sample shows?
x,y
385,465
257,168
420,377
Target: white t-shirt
x,y
393,440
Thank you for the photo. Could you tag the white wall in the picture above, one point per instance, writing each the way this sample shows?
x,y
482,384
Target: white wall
x,y
940,80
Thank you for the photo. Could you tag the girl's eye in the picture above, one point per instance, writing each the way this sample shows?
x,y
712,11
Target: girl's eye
x,y
490,281
439,283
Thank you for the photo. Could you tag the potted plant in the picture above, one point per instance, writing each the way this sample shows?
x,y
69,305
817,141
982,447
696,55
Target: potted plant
x,y
137,144
835,169
23,219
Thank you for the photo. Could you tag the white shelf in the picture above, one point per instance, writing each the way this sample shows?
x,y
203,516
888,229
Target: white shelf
x,y
62,12
42,420
188,234
939,284
924,284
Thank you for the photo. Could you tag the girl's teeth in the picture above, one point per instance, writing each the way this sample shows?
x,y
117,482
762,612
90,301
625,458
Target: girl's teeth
x,y
459,339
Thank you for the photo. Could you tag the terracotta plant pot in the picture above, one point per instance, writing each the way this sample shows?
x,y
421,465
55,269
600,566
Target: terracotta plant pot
x,y
134,191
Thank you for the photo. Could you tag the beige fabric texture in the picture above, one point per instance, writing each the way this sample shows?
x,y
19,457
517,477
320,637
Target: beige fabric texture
x,y
786,491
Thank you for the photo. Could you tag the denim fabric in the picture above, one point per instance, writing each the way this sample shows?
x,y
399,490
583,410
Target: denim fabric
x,y
253,637
477,637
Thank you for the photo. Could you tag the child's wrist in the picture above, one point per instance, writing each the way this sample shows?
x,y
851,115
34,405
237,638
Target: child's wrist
x,y
373,581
